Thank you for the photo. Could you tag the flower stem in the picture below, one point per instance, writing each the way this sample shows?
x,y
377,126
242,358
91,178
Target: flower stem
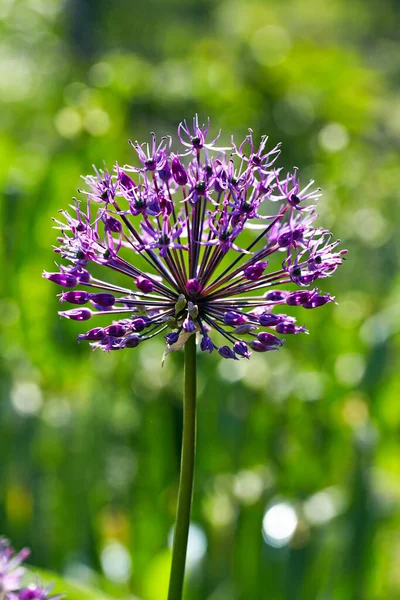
x,y
187,473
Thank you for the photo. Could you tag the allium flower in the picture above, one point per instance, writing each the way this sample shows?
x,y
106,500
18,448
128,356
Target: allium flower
x,y
35,591
211,243
11,571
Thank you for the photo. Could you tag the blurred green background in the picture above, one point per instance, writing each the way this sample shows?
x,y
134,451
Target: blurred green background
x,y
298,468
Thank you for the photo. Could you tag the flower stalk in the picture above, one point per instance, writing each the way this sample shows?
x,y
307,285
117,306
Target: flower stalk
x,y
181,531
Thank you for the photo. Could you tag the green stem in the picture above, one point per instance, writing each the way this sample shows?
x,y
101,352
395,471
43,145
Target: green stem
x,y
181,530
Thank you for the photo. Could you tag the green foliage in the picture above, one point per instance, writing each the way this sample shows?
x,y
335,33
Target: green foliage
x,y
89,443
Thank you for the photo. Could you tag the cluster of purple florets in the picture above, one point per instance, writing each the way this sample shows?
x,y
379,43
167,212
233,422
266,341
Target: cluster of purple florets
x,y
185,217
11,575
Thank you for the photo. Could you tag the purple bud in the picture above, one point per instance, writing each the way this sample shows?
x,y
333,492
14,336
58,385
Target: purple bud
x,y
318,301
77,297
242,349
193,286
226,352
97,333
144,285
269,339
206,344
289,327
254,272
179,172
245,328
172,338
126,181
258,346
276,295
165,173
285,239
104,300
269,320
115,330
82,275
131,341
112,224
188,325
138,324
234,318
299,297
77,314
65,279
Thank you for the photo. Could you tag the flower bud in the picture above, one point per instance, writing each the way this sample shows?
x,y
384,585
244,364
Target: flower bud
x,y
115,330
226,352
112,224
165,173
234,318
287,327
95,334
206,344
172,338
193,310
65,279
179,172
258,346
276,295
126,181
316,301
269,339
144,285
269,320
188,325
104,300
130,341
138,324
299,297
193,286
245,328
254,272
77,314
76,297
180,304
242,349
82,275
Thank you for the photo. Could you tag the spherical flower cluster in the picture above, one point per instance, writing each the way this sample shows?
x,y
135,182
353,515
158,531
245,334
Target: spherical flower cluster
x,y
195,234
11,574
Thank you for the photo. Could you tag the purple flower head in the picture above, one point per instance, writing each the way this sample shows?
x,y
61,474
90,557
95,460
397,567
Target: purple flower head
x,y
11,572
210,241
37,592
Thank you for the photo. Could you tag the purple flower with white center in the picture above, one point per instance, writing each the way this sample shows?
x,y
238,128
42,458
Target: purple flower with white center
x,y
187,217
11,572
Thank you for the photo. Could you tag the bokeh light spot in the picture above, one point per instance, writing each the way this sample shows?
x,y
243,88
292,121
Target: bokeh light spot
x,y
116,562
279,524
333,137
